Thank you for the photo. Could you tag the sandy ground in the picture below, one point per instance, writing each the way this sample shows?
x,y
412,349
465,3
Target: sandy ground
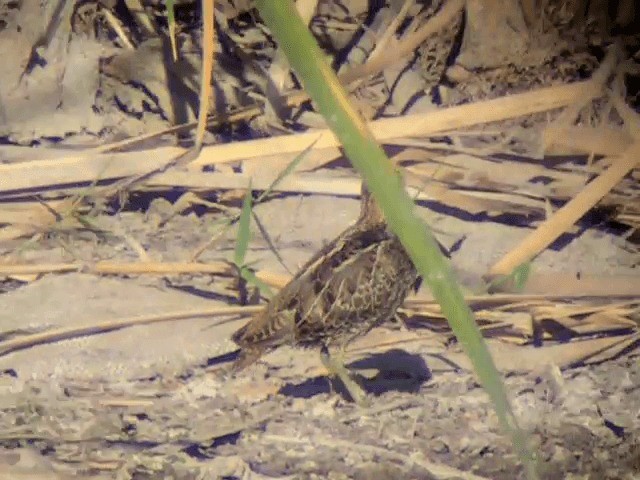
x,y
143,402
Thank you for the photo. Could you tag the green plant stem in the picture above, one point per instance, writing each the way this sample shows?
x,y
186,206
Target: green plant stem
x,y
379,173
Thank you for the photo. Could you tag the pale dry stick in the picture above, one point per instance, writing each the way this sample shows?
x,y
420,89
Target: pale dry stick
x,y
427,144
213,121
172,35
115,24
527,304
561,283
61,170
438,470
602,140
33,214
601,349
277,280
391,29
141,19
571,310
410,125
502,302
348,186
588,286
507,177
138,268
468,200
567,355
568,214
67,333
206,95
117,268
84,167
125,402
439,21
598,324
385,38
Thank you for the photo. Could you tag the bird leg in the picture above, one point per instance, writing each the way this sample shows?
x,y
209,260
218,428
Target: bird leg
x,y
336,368
246,356
400,319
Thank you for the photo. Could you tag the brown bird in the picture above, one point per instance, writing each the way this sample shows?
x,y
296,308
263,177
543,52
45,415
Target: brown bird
x,y
350,286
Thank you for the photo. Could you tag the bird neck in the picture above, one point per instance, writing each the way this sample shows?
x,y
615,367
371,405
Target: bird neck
x,y
370,212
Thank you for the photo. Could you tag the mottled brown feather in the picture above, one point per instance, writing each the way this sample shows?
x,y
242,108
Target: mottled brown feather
x,y
353,284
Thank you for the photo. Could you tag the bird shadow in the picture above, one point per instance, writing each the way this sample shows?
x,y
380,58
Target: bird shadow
x,y
396,370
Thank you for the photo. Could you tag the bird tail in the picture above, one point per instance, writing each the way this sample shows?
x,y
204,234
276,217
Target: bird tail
x,y
246,357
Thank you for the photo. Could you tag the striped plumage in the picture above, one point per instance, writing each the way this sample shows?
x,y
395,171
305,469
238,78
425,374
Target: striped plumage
x,y
352,285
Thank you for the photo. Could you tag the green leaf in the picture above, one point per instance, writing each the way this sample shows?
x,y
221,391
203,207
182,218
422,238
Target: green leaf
x,y
515,281
251,279
287,171
270,244
244,230
520,276
379,173
171,22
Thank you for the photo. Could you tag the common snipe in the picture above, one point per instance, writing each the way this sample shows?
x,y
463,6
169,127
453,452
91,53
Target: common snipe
x,y
353,284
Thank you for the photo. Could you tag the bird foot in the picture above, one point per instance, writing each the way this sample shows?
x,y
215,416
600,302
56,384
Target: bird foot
x,y
223,374
337,370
